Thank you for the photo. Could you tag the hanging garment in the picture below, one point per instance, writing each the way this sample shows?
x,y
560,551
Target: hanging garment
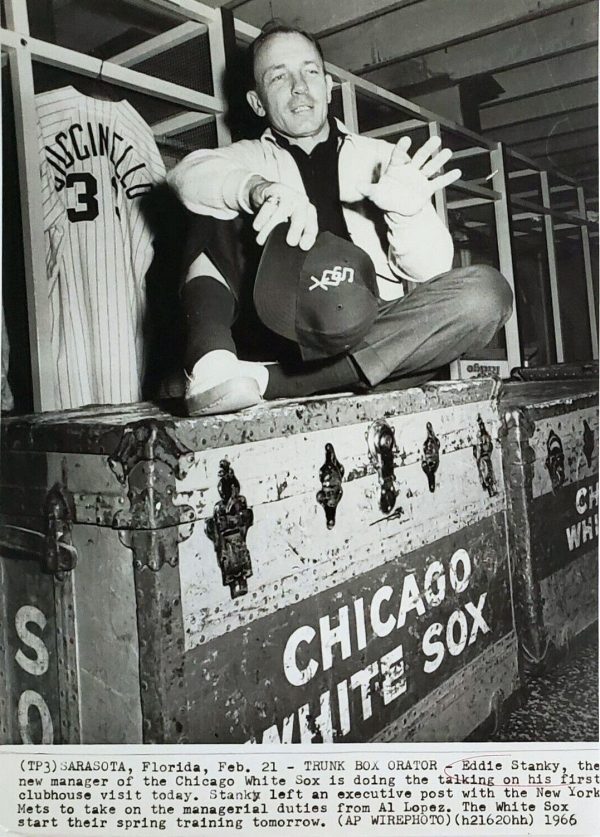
x,y
98,160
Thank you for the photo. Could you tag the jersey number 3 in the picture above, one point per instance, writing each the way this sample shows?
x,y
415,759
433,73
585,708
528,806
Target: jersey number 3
x,y
86,208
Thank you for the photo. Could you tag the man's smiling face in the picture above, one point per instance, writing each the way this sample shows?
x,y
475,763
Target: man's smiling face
x,y
292,88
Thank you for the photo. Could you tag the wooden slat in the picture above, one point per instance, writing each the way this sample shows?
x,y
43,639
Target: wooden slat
x,y
552,273
86,65
589,278
34,246
505,257
159,44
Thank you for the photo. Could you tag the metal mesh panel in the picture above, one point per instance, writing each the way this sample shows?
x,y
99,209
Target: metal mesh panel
x,y
374,113
187,64
474,168
473,228
532,297
522,185
418,136
577,342
102,28
563,195
174,148
150,108
455,141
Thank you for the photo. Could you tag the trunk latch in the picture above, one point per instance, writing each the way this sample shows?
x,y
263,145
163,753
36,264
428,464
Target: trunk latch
x,y
431,456
60,555
331,474
381,443
53,547
482,451
227,529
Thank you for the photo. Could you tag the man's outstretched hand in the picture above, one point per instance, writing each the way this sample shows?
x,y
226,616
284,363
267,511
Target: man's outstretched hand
x,y
405,187
275,203
408,183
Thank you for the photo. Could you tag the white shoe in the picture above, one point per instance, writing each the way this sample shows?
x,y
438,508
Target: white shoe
x,y
220,383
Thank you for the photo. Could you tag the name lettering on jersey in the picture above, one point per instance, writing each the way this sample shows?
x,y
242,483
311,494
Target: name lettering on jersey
x,y
82,143
333,277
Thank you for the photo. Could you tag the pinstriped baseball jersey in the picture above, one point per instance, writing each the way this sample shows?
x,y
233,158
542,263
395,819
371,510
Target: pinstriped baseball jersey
x,y
98,158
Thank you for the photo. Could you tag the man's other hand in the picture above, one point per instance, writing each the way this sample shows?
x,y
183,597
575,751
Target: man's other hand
x,y
407,184
275,204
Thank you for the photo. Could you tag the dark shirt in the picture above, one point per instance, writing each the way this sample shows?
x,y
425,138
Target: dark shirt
x,y
320,175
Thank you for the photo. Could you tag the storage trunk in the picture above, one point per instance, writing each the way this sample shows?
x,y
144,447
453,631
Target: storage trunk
x,y
333,569
551,472
556,372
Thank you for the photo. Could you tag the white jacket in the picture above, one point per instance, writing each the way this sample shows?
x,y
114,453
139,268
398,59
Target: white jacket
x,y
212,181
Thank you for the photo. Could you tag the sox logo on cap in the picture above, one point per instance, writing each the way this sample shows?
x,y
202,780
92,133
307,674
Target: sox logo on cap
x,y
332,277
322,324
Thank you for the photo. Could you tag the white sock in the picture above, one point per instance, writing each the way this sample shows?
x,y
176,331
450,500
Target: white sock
x,y
221,365
259,372
213,368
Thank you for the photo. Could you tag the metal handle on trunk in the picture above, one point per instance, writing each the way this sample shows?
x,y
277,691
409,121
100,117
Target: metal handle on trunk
x,y
52,548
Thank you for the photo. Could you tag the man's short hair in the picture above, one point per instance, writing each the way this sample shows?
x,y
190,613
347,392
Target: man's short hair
x,y
277,27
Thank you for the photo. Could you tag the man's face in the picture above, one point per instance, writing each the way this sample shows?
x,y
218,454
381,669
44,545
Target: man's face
x,y
292,89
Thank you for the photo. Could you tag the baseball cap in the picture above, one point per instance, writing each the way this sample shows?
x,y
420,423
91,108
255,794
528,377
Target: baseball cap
x,y
324,299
